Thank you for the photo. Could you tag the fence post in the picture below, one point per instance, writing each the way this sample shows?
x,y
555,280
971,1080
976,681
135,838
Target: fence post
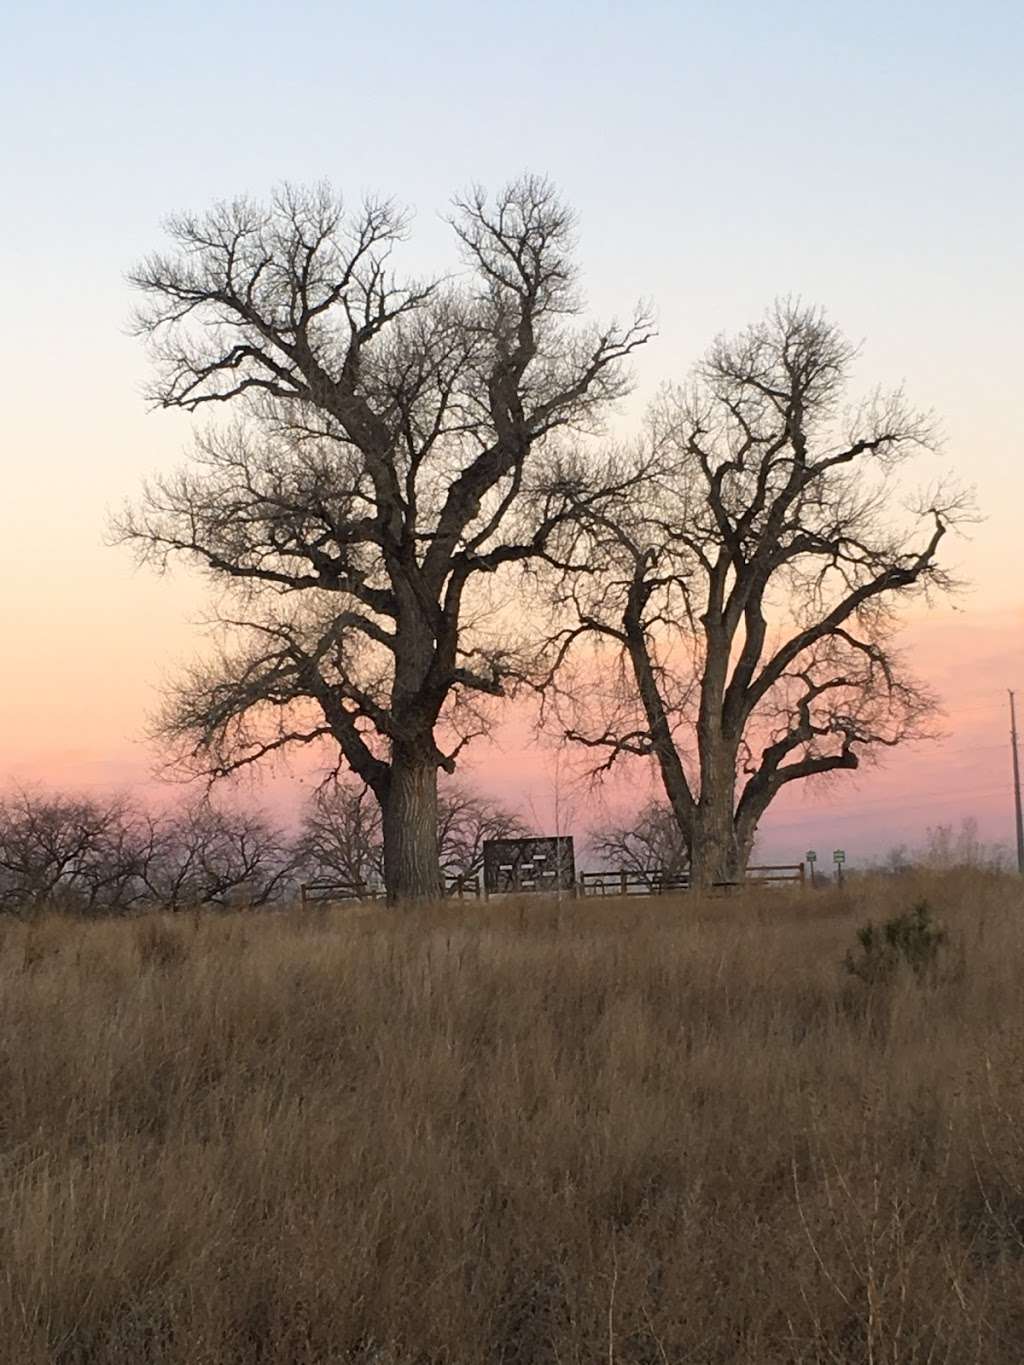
x,y
803,874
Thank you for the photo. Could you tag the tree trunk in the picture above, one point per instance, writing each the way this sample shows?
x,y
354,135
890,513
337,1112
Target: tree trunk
x,y
716,855
411,863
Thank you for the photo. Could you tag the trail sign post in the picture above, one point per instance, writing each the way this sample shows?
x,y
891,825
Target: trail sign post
x,y
812,858
839,858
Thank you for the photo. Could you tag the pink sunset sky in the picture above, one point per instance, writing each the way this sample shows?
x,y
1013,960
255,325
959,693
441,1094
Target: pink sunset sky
x,y
881,189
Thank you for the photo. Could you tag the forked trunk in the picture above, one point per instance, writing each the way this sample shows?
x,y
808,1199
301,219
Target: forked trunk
x,y
411,858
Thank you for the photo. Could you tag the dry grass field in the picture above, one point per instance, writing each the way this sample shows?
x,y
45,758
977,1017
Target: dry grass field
x,y
636,1134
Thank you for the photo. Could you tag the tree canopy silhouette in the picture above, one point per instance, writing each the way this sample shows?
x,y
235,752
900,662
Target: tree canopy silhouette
x,y
393,449
743,603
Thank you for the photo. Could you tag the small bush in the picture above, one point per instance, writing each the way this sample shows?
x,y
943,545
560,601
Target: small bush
x,y
911,940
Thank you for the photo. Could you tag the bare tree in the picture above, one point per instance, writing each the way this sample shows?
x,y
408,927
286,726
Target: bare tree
x,y
466,819
386,460
947,847
70,853
202,855
86,855
742,611
342,837
650,843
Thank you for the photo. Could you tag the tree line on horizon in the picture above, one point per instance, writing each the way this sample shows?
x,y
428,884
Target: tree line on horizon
x,y
413,511
85,854
90,855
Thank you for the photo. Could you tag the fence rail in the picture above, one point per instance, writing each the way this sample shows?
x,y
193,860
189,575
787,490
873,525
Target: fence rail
x,y
326,893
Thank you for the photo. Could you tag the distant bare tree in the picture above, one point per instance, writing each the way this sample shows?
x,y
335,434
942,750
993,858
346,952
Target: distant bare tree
x,y
68,853
341,837
387,462
948,846
466,819
88,855
651,842
742,609
201,855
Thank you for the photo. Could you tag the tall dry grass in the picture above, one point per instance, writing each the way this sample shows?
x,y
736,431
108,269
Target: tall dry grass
x,y
635,1133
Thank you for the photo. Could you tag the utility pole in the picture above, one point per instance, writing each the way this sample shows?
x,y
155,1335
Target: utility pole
x,y
1016,788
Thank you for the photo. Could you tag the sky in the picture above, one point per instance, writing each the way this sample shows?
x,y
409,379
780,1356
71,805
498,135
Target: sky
x,y
866,158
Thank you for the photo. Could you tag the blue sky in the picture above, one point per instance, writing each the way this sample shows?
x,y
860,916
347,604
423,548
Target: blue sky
x,y
867,157
788,137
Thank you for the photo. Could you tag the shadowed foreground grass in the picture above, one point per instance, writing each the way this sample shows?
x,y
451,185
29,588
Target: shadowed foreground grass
x,y
640,1133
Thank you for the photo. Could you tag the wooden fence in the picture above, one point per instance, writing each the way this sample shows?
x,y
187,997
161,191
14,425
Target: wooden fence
x,y
622,883
658,883
458,888
615,883
328,892
778,872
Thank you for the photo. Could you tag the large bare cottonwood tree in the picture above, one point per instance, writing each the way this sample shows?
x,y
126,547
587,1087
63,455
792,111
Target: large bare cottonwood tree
x,y
393,447
743,608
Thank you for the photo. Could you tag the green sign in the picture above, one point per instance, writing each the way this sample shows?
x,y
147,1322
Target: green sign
x,y
812,857
839,856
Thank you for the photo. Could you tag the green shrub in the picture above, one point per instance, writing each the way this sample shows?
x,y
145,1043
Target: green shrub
x,y
911,940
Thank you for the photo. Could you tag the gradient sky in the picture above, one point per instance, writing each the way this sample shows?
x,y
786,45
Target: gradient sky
x,y
865,157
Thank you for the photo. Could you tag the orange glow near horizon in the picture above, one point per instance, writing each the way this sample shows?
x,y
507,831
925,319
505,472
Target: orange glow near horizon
x,y
89,738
